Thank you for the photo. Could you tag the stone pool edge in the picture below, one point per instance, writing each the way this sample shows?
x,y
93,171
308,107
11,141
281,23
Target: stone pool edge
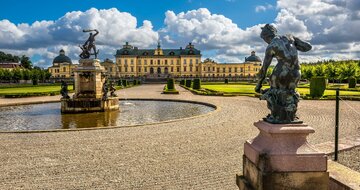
x,y
217,109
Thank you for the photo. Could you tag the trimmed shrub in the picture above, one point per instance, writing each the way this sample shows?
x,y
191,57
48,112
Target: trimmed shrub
x,y
134,82
197,84
124,83
317,87
226,81
188,83
170,84
139,82
352,82
182,82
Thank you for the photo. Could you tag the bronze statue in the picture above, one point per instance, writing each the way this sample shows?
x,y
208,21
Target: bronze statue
x,y
281,97
105,90
64,90
89,45
112,89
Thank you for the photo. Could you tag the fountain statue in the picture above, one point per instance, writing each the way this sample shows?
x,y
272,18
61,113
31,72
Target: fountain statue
x,y
90,83
282,98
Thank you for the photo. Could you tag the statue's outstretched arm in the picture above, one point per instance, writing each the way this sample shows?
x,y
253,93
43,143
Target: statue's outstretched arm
x,y
96,32
302,45
269,54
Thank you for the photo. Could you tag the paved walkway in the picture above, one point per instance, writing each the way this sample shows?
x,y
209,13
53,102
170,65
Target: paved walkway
x,y
200,153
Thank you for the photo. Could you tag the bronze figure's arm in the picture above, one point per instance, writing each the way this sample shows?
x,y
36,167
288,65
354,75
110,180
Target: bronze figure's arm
x,y
96,32
301,45
262,73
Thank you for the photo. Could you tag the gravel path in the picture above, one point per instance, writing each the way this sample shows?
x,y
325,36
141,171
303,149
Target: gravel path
x,y
199,153
350,158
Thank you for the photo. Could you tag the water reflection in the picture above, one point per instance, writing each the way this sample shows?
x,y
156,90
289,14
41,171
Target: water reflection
x,y
48,116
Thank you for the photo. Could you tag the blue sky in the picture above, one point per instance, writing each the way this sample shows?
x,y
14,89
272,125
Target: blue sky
x,y
224,30
242,12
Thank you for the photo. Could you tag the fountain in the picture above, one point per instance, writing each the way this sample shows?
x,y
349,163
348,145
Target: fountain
x,y
91,86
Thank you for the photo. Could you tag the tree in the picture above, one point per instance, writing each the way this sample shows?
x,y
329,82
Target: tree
x,y
7,75
306,72
348,70
17,75
319,70
25,62
35,76
331,72
26,74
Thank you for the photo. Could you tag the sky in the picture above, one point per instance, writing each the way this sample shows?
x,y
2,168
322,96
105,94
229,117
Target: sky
x,y
224,30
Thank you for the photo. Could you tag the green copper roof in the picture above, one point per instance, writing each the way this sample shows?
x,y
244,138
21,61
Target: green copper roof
x,y
62,58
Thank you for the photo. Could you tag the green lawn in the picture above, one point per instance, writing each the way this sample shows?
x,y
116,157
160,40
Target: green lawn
x,y
32,89
249,89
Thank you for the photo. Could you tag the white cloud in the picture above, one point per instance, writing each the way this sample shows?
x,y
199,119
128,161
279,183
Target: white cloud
x,y
263,8
115,28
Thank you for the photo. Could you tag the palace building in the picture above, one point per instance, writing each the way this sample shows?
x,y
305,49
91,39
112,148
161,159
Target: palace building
x,y
62,66
162,63
183,62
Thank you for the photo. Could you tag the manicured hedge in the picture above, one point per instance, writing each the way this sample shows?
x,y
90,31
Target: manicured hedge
x,y
182,82
317,87
226,81
197,84
352,82
135,82
188,83
170,84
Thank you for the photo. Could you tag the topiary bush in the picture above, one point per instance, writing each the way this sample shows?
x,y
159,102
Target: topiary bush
x,y
317,87
182,82
352,82
134,82
139,82
188,83
124,83
226,81
197,84
170,84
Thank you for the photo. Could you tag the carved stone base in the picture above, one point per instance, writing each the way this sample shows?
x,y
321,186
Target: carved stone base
x,y
281,158
79,105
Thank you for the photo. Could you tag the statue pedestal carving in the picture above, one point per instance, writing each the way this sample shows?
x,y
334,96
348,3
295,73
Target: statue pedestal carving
x,y
89,96
281,158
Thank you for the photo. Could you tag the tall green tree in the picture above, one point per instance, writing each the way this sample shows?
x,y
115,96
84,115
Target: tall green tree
x,y
348,70
331,72
26,62
17,75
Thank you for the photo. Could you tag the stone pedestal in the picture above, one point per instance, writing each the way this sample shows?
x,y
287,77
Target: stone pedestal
x,y
280,158
89,80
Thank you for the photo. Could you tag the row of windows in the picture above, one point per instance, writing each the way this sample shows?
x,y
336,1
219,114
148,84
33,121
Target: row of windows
x,y
158,61
229,69
58,70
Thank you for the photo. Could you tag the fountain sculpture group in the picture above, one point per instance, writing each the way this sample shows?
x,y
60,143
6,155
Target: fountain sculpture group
x,y
91,84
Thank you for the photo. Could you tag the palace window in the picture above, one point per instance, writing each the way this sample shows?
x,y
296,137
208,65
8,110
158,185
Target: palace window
x,y
224,70
172,62
158,61
166,61
132,62
119,61
213,68
151,62
204,69
145,62
110,69
126,69
191,68
197,69
172,69
191,61
178,69
126,61
119,69
196,61
230,70
139,62
248,68
209,69
241,70
139,69
64,69
218,70
132,69
184,68
145,69
184,61
235,69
